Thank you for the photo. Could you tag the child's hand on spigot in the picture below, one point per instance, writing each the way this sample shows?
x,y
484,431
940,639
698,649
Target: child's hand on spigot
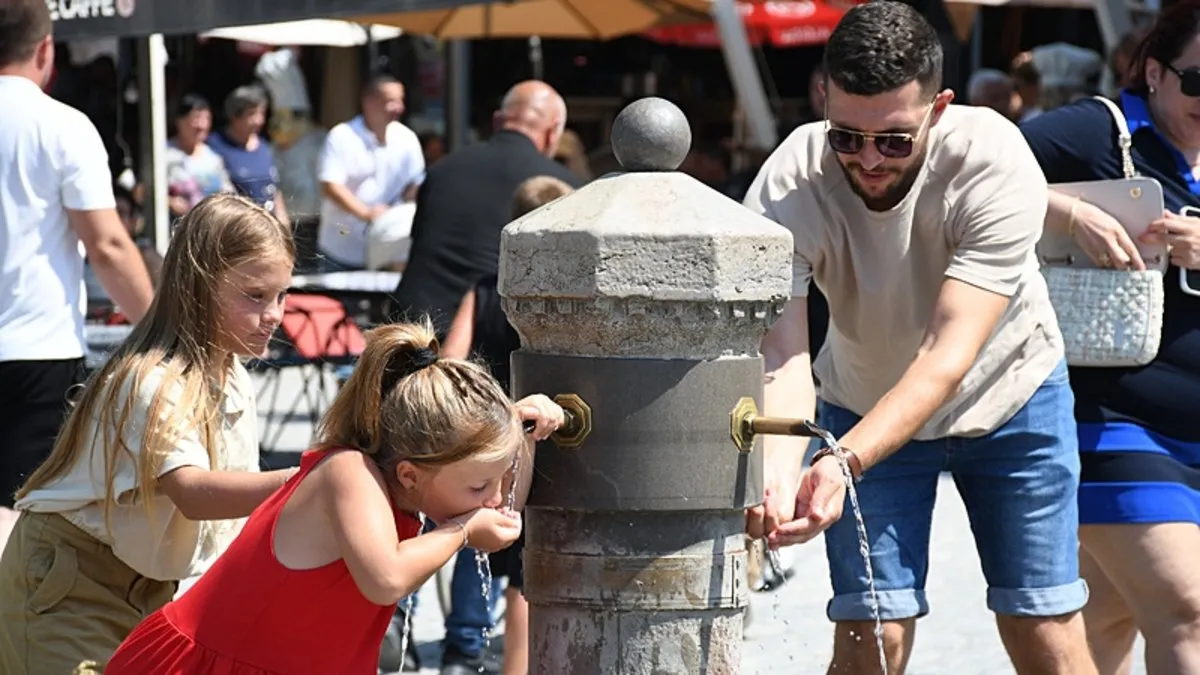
x,y
540,415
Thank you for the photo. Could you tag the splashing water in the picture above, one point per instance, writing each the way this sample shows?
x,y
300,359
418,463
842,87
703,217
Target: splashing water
x,y
864,543
483,563
511,501
406,629
484,566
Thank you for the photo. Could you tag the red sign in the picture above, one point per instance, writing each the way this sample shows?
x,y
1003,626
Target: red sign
x,y
782,23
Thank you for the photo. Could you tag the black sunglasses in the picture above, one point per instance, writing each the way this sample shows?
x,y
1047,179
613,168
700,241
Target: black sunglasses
x,y
1189,80
895,145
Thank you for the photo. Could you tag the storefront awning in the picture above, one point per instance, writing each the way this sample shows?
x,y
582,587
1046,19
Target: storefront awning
x,y
83,19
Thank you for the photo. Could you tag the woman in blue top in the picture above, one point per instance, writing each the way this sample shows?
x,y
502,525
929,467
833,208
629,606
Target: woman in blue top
x,y
1138,433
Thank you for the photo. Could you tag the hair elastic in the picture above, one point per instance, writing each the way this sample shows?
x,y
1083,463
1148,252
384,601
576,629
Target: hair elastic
x,y
405,362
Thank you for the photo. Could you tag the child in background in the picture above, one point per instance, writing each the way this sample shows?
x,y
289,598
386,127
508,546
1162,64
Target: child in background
x,y
481,327
311,583
158,456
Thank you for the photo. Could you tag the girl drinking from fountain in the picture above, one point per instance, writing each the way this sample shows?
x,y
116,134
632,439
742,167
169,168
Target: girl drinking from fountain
x,y
158,457
311,583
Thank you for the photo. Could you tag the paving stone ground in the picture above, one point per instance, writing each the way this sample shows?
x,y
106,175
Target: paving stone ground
x,y
789,632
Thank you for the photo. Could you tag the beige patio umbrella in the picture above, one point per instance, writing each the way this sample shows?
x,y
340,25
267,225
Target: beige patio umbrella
x,y
577,19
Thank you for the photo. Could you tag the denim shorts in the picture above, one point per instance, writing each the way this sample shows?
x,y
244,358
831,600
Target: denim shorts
x,y
1019,485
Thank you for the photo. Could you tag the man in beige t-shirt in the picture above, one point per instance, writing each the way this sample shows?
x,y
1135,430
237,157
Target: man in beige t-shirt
x,y
918,220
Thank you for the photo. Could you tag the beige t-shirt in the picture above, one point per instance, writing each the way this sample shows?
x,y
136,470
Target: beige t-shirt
x,y
161,544
974,214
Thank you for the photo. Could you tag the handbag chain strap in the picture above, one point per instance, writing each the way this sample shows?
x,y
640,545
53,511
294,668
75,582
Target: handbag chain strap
x,y
1124,139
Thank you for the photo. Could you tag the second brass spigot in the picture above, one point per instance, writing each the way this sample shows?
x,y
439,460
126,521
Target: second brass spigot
x,y
745,423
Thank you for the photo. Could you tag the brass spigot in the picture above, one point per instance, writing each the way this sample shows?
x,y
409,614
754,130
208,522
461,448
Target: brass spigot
x,y
745,423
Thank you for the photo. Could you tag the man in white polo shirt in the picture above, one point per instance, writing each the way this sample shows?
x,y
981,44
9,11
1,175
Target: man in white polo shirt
x,y
368,165
55,192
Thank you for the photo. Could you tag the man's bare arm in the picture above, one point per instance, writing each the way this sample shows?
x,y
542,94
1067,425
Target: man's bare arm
x,y
115,258
964,317
345,199
788,392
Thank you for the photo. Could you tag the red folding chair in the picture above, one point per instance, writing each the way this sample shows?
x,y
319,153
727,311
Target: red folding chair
x,y
316,336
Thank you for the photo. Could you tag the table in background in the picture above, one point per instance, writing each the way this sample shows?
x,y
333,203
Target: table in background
x,y
102,340
367,295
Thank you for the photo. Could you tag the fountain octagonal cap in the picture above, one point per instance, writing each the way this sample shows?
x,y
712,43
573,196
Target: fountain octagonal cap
x,y
651,134
650,263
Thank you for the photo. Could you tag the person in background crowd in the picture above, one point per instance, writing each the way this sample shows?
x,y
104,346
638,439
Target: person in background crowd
x,y
571,154
55,193
1122,57
433,146
194,171
466,200
464,203
919,220
1139,498
368,165
1028,83
993,89
247,156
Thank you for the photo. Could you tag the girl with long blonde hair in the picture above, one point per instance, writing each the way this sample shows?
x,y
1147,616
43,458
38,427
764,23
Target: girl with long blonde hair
x,y
158,457
316,574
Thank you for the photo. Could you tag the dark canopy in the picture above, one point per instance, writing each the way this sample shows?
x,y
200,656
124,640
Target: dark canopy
x,y
76,19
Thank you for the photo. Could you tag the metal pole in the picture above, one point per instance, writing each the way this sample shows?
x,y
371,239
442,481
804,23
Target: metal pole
x,y
743,73
152,116
458,93
536,61
1115,21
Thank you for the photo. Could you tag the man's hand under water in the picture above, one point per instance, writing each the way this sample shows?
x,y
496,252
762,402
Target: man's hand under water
x,y
817,506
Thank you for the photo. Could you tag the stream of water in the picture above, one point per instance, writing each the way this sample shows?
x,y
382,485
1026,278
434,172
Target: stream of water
x,y
864,543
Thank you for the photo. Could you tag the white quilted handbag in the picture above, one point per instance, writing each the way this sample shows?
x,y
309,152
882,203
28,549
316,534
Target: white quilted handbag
x,y
1109,318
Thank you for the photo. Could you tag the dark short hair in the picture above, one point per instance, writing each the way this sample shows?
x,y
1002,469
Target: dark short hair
x,y
1174,29
1024,71
23,24
190,103
883,45
244,99
374,82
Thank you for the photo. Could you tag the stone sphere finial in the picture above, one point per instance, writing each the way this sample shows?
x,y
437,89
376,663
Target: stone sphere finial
x,y
651,134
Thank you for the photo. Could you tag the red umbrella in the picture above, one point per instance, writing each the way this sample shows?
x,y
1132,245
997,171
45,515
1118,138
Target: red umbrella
x,y
782,23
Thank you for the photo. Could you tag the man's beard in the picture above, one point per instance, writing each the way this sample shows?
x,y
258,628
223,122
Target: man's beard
x,y
894,194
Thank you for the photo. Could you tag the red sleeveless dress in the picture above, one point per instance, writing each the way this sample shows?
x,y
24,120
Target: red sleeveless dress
x,y
250,615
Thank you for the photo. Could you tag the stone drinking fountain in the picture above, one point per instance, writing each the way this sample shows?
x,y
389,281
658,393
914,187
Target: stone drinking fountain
x,y
641,300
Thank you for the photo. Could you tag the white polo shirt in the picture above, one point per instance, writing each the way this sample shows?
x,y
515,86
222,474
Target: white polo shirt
x,y
376,174
51,160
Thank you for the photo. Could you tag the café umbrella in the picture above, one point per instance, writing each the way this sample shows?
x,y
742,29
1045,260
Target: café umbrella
x,y
568,19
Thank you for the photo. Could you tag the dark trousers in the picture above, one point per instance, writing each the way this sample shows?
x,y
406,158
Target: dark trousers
x,y
33,405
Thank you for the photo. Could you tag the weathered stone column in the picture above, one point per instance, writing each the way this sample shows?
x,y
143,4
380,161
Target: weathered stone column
x,y
645,294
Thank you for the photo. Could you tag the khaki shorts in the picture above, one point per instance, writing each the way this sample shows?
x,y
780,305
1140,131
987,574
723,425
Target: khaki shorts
x,y
66,602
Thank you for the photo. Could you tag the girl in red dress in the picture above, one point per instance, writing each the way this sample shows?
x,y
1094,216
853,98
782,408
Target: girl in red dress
x,y
310,585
